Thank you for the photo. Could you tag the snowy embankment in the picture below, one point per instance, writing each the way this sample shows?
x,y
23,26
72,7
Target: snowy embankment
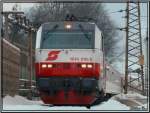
x,y
134,100
19,100
21,103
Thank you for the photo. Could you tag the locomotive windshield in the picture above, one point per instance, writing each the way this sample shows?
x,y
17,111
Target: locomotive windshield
x,y
56,38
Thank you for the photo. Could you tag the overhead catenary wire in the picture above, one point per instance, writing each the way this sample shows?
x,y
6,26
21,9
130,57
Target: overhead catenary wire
x,y
119,11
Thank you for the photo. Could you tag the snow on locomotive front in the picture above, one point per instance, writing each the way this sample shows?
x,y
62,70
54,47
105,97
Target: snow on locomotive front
x,y
69,62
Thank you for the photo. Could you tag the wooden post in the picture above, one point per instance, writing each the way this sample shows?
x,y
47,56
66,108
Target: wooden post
x,y
30,68
6,27
141,52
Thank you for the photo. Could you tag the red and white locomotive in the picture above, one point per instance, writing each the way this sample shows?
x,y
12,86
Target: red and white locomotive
x,y
69,63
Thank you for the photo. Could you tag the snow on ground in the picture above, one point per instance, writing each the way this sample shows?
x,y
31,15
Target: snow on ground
x,y
131,95
19,100
134,100
21,103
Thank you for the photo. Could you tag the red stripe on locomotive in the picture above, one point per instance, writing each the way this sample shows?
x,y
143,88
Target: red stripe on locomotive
x,y
67,70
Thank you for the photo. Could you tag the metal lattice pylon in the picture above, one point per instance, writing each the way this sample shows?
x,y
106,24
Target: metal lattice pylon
x,y
134,77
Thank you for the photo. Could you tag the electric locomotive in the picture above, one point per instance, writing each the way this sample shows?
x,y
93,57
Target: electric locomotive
x,y
69,63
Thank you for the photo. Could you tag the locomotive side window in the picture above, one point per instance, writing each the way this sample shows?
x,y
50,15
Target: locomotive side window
x,y
67,39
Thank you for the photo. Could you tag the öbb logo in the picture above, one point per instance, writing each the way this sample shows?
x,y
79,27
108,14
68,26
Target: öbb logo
x,y
52,55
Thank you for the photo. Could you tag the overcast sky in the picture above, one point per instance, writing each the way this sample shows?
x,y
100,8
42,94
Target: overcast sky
x,y
117,18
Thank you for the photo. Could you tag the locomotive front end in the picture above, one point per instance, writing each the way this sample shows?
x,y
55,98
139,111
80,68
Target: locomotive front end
x,y
69,62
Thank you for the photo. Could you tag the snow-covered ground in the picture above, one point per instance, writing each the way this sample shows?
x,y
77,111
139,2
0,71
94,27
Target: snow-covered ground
x,y
133,100
21,103
131,94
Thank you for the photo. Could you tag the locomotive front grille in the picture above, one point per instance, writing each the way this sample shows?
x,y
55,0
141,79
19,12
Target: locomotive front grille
x,y
55,84
66,66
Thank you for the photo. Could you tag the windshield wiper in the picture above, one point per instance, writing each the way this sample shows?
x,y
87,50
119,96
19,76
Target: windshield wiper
x,y
52,30
82,29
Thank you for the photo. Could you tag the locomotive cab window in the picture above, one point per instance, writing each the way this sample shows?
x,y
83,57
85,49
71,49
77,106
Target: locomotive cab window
x,y
67,39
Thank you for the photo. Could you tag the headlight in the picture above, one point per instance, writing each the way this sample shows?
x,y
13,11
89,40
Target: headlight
x,y
50,66
68,26
44,65
89,66
83,65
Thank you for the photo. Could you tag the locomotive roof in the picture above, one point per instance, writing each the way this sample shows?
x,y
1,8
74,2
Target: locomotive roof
x,y
86,25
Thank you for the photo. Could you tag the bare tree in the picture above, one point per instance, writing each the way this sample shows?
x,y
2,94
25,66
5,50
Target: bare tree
x,y
86,11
